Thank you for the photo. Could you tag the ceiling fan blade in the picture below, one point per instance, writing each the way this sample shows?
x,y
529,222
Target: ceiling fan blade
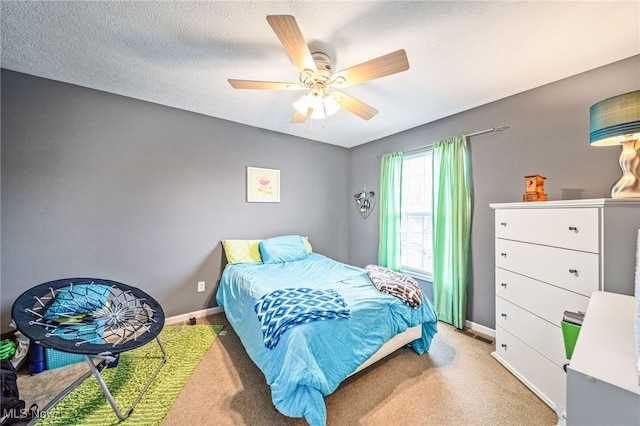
x,y
287,30
355,106
267,85
300,118
388,64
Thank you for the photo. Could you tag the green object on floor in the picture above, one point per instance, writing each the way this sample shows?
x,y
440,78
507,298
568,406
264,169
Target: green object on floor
x,y
87,405
7,349
570,334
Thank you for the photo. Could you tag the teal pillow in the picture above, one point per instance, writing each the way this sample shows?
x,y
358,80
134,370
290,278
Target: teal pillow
x,y
78,299
287,248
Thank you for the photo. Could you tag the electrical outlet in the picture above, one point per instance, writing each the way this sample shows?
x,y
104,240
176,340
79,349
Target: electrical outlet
x,y
200,286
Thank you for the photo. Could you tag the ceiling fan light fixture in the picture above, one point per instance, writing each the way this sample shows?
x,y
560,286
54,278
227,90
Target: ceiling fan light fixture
x,y
331,106
321,104
302,105
318,113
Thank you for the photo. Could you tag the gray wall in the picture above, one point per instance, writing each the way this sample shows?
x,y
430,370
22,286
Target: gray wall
x,y
549,135
95,184
100,185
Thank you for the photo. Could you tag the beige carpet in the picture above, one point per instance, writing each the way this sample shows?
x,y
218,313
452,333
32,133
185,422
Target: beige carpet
x,y
456,383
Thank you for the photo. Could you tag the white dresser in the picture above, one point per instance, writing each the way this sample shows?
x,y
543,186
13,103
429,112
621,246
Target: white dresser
x,y
550,257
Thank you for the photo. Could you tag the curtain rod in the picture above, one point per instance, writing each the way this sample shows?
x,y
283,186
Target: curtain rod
x,y
481,132
491,130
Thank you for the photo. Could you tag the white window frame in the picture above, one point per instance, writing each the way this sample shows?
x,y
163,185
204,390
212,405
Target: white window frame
x,y
413,270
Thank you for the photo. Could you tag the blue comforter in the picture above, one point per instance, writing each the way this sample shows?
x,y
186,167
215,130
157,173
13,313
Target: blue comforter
x,y
312,359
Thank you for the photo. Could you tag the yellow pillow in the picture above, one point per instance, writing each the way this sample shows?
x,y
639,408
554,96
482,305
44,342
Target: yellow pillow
x,y
307,244
242,251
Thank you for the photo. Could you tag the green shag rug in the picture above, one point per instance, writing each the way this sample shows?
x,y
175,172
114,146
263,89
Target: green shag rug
x,y
87,405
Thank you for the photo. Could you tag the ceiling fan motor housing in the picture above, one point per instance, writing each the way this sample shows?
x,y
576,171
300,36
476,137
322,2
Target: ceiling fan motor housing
x,y
322,60
324,71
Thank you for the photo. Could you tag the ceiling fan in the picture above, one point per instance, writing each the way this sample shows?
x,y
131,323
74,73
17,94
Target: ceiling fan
x,y
317,75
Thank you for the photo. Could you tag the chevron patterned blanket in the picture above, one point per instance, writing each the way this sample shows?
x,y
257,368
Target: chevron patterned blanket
x,y
282,309
396,284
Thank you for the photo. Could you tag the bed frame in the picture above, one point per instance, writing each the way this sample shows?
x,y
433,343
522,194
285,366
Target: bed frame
x,y
397,342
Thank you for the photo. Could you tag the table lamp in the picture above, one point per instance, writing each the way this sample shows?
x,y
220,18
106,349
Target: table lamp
x,y
616,121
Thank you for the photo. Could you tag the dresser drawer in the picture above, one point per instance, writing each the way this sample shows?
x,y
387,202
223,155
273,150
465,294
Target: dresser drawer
x,y
544,337
542,376
576,271
544,300
575,229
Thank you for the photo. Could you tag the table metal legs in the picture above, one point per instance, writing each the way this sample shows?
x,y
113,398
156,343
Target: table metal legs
x,y
95,370
107,393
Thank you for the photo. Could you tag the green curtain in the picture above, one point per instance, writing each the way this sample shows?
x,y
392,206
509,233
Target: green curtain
x,y
390,202
451,228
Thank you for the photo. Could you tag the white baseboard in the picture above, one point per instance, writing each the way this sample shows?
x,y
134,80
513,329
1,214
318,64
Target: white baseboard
x,y
480,329
177,319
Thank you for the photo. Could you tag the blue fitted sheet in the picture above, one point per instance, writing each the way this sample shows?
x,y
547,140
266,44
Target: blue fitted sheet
x,y
312,359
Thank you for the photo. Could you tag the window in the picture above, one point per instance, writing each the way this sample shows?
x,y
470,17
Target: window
x,y
416,257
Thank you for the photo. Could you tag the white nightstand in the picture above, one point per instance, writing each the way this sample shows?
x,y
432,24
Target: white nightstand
x,y
602,378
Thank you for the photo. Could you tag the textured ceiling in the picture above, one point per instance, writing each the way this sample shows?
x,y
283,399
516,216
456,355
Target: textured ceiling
x,y
180,54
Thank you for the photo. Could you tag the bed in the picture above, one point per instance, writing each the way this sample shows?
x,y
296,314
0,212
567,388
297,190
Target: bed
x,y
310,359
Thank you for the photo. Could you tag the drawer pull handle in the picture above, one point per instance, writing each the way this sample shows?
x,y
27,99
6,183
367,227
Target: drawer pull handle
x,y
504,316
504,346
574,272
504,285
574,229
503,223
503,254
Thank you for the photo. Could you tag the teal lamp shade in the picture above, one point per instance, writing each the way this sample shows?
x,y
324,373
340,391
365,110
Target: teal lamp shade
x,y
616,121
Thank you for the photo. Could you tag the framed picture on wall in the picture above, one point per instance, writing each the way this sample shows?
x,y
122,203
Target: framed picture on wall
x,y
263,185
